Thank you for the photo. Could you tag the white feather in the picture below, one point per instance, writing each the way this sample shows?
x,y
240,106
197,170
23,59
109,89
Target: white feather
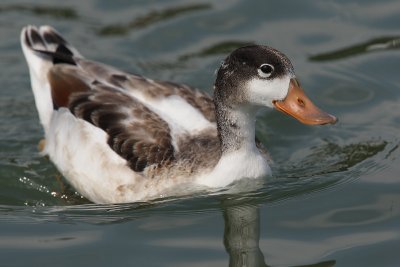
x,y
243,163
182,118
176,111
38,68
86,160
175,108
263,91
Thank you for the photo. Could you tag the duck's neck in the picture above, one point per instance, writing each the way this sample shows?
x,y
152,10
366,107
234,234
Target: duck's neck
x,y
239,155
236,126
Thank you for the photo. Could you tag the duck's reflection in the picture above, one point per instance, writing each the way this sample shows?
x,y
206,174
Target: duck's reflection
x,y
242,236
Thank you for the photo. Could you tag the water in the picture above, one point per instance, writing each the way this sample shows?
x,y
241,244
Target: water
x,y
334,197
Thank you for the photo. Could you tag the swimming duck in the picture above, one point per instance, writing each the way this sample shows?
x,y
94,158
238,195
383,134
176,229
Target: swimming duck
x,y
120,137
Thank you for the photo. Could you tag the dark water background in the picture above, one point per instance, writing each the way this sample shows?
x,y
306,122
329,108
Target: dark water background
x,y
334,199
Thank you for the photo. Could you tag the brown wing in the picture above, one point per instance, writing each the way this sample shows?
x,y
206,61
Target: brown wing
x,y
65,80
134,132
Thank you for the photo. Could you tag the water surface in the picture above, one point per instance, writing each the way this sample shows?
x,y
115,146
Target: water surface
x,y
334,197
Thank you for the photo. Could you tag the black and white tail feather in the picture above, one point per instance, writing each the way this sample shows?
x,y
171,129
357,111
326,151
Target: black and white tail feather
x,y
43,47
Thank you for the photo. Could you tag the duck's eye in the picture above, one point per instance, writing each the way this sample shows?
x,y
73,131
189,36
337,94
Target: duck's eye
x,y
265,70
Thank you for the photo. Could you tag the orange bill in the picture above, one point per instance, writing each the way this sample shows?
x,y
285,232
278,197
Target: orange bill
x,y
299,106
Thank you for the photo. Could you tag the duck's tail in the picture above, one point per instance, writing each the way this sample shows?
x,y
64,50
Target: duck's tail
x,y
43,47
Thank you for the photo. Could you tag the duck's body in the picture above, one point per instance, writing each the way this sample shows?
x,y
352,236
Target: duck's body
x,y
119,137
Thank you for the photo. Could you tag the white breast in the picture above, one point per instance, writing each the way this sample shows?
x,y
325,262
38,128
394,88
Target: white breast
x,y
246,162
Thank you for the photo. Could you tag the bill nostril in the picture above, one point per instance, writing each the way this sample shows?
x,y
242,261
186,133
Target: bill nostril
x,y
301,102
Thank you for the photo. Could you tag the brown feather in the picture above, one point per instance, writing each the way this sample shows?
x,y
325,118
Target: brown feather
x,y
134,132
64,80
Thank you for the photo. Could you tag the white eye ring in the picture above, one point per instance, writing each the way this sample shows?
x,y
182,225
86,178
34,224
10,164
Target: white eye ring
x,y
265,70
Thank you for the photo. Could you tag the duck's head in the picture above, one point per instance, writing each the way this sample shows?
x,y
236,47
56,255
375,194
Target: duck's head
x,y
262,76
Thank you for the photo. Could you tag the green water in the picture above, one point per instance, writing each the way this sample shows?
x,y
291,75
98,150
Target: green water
x,y
334,198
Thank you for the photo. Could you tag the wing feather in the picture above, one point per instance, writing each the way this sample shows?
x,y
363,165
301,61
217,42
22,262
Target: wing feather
x,y
134,132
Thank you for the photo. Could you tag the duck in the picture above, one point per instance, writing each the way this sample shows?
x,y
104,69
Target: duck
x,y
119,137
